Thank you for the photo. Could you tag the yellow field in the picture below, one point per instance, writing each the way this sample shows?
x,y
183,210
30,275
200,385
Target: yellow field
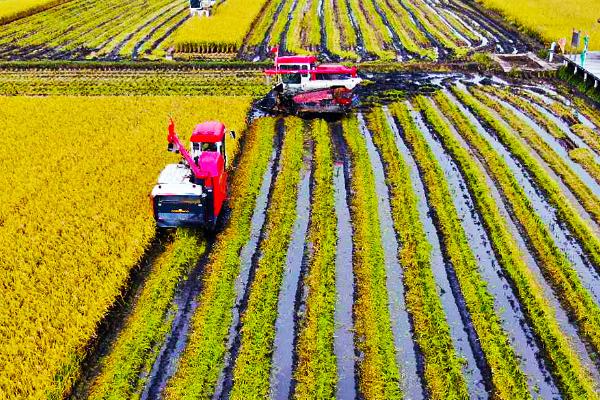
x,y
13,9
553,19
222,32
75,217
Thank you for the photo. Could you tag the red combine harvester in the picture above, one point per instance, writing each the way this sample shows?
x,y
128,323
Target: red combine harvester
x,y
305,86
192,192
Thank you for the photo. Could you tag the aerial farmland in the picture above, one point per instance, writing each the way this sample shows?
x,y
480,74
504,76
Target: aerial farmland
x,y
299,199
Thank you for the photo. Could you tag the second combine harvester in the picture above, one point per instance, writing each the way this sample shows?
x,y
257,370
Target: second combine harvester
x,y
304,86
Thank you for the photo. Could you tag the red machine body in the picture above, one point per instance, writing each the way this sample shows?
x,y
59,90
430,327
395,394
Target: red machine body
x,y
192,192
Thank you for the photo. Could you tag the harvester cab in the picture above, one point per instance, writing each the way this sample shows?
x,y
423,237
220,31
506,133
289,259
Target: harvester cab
x,y
192,192
303,85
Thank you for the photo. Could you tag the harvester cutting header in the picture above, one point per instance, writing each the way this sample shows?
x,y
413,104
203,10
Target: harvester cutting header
x,y
305,86
192,192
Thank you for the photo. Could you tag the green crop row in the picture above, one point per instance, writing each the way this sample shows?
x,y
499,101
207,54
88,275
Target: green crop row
x,y
586,159
553,263
316,369
588,111
588,135
508,381
374,32
279,25
253,364
296,26
203,357
338,29
443,368
137,345
432,23
401,24
588,200
572,378
528,108
378,372
262,24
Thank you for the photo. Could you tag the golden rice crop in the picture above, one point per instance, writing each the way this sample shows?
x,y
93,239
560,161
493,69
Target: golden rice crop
x,y
552,19
76,219
11,10
222,32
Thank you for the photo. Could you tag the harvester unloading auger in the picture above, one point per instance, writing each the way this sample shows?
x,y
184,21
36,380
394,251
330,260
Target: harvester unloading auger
x,y
303,86
192,192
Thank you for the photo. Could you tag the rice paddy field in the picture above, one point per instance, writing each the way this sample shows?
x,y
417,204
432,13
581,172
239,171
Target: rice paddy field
x,y
340,29
441,240
552,19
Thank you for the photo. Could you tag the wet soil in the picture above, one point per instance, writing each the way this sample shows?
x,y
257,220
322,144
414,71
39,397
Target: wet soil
x,y
291,291
345,352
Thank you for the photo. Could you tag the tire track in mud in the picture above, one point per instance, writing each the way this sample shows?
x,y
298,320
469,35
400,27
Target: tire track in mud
x,y
453,29
407,354
555,227
506,303
291,294
343,346
401,53
462,333
468,23
166,362
168,33
249,257
507,38
558,230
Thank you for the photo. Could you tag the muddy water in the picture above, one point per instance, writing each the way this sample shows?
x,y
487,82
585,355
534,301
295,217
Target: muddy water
x,y
248,258
401,326
458,330
506,303
539,204
343,345
285,325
